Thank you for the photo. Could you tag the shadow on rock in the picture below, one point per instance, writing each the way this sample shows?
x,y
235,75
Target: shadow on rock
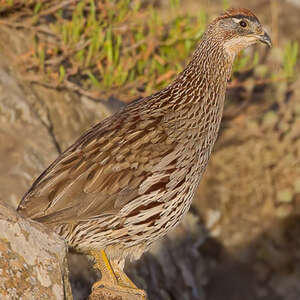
x,y
188,264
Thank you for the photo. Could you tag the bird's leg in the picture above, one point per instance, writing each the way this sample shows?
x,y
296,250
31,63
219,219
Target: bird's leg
x,y
107,273
113,278
122,278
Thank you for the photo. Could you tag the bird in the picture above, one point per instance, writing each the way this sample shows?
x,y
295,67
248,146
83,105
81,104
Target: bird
x,y
131,178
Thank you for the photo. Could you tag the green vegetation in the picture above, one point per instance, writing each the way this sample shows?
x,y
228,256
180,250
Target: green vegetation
x,y
290,59
107,45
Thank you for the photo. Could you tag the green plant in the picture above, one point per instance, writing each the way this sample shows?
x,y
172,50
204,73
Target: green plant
x,y
291,53
225,4
116,45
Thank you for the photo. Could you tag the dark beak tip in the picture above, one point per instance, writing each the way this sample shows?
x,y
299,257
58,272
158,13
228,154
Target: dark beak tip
x,y
265,38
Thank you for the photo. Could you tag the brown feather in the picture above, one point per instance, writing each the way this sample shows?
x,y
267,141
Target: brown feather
x,y
132,177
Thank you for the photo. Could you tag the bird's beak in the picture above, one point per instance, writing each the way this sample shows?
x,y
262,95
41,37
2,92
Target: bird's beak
x,y
265,38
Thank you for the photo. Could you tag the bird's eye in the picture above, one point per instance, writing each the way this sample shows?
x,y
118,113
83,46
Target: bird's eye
x,y
243,24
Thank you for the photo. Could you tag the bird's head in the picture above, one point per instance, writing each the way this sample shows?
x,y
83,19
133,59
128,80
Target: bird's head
x,y
238,29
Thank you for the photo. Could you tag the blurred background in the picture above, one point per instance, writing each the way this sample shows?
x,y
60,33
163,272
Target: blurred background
x,y
65,65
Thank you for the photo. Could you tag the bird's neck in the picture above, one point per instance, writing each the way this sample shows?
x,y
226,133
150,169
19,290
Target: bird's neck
x,y
203,80
199,90
210,67
193,103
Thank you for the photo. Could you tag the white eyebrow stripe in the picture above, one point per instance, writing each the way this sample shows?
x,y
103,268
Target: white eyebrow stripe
x,y
236,20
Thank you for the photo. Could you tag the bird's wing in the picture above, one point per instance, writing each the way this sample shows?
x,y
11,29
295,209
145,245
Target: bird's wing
x,y
100,173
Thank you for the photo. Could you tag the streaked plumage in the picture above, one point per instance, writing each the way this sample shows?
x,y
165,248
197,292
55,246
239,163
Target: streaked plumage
x,y
131,178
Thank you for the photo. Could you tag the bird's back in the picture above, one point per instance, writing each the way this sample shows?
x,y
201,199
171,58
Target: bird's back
x,y
132,177
135,170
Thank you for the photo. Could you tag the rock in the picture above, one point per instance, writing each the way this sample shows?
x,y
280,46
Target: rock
x,y
26,143
213,217
33,261
285,196
283,211
25,158
36,123
103,293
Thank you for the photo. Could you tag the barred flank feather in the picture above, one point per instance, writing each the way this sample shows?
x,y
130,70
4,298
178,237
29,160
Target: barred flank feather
x,y
131,178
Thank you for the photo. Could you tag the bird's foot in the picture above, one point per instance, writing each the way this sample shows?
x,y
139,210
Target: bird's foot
x,y
119,290
114,282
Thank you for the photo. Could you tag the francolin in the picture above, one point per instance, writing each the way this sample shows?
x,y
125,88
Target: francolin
x,y
131,178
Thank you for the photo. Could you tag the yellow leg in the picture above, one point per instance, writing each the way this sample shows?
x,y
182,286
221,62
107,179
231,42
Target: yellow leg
x,y
103,264
122,278
112,277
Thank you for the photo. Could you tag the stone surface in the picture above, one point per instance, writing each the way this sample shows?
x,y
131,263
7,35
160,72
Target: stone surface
x,y
36,123
26,145
33,262
107,294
